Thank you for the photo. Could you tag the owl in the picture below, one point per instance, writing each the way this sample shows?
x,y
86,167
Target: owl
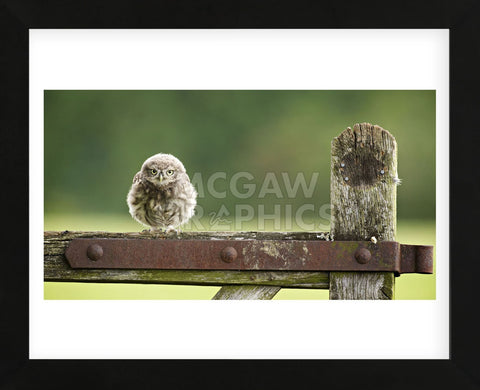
x,y
161,195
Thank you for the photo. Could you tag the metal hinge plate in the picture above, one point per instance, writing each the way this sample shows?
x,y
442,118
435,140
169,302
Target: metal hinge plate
x,y
273,255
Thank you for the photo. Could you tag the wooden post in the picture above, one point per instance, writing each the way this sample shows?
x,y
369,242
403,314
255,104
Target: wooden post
x,y
363,198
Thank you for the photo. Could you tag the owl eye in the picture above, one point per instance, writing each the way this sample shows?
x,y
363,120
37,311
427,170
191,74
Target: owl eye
x,y
169,172
153,171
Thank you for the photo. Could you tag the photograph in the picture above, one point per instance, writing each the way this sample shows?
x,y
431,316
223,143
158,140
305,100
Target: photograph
x,y
266,173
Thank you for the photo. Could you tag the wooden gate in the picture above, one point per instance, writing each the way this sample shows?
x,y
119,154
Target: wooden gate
x,y
363,199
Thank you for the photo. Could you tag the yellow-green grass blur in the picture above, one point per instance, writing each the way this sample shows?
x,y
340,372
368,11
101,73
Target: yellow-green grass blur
x,y
407,286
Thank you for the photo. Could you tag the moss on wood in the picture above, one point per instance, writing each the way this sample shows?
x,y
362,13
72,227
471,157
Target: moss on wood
x,y
363,197
56,267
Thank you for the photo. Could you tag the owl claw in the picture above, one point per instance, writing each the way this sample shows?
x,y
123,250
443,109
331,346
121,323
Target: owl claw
x,y
172,230
169,230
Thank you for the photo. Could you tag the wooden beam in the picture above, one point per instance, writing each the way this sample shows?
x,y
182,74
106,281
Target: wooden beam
x,y
246,292
57,269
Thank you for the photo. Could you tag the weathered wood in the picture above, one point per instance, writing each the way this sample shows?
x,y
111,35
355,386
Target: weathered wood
x,y
56,267
363,198
55,236
246,292
361,285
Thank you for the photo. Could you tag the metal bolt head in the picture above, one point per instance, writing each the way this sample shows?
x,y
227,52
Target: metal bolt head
x,y
363,255
94,252
228,254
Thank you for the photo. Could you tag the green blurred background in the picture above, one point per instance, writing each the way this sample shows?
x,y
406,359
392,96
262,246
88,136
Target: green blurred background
x,y
95,141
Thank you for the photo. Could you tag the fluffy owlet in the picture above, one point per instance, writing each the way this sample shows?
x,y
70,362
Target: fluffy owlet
x,y
162,196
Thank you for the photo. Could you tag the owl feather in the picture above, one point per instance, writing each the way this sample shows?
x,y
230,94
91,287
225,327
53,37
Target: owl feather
x,y
162,196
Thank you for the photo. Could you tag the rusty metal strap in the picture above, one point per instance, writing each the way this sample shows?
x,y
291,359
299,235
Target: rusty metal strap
x,y
274,255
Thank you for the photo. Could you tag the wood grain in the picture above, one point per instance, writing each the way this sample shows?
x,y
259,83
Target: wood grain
x,y
363,198
246,292
57,269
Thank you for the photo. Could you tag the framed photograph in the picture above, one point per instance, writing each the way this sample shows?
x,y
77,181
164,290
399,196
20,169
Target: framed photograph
x,y
247,118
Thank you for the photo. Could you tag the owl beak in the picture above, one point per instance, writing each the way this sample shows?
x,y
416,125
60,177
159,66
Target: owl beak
x,y
160,177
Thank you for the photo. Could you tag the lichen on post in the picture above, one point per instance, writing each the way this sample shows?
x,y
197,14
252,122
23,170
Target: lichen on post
x,y
248,284
363,198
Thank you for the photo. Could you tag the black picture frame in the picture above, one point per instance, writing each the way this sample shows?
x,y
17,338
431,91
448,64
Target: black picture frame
x,y
17,371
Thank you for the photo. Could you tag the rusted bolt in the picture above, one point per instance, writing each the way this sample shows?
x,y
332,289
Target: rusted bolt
x,y
94,252
363,255
228,254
